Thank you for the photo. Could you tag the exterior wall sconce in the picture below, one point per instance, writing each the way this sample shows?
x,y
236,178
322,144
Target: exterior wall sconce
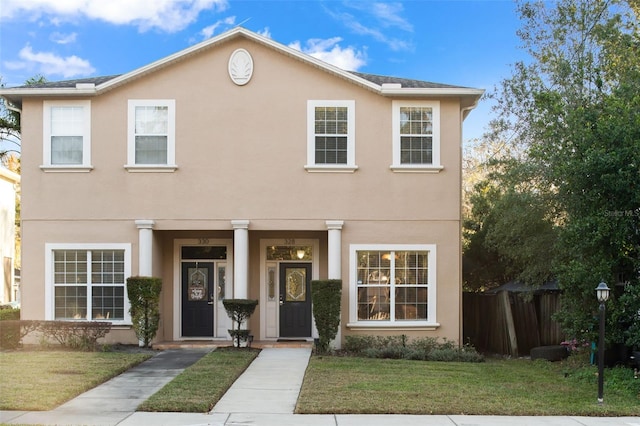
x,y
300,253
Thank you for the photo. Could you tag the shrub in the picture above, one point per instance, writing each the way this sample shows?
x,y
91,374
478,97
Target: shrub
x,y
239,310
400,347
144,296
326,296
82,335
9,334
9,314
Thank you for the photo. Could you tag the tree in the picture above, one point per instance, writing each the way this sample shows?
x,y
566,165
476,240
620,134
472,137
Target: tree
x,y
574,108
10,123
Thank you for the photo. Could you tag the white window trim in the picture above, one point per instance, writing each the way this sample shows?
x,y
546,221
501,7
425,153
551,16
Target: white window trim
x,y
49,282
429,324
396,166
311,165
86,138
131,165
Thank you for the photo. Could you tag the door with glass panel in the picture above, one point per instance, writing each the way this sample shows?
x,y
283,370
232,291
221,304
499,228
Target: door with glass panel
x,y
198,299
295,300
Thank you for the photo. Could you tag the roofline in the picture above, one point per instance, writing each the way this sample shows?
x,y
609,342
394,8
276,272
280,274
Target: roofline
x,y
83,90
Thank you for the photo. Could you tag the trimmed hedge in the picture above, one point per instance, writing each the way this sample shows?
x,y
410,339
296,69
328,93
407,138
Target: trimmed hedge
x,y
326,296
81,335
144,296
401,347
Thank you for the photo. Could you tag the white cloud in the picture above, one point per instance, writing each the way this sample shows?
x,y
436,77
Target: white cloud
x,y
47,63
379,18
207,32
63,38
165,15
265,33
329,51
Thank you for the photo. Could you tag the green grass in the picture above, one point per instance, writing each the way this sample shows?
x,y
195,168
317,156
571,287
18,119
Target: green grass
x,y
42,380
200,386
346,385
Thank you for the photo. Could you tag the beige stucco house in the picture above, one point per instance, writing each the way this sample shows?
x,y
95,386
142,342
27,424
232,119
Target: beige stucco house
x,y
242,168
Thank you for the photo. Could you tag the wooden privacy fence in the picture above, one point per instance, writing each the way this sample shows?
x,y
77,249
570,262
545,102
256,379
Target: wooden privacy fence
x,y
507,324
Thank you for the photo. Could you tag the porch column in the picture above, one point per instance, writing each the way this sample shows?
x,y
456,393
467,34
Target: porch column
x,y
335,249
334,260
145,247
240,259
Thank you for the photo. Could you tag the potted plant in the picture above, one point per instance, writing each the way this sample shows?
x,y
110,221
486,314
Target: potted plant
x,y
239,310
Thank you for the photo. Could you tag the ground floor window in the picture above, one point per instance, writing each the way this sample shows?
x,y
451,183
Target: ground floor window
x,y
393,284
89,283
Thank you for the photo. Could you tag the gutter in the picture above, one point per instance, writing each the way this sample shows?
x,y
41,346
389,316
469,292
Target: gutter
x,y
10,106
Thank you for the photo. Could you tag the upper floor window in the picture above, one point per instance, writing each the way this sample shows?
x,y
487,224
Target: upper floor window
x,y
67,136
416,136
331,136
151,139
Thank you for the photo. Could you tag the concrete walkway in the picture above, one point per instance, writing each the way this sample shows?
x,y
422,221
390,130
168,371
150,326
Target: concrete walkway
x,y
265,395
272,383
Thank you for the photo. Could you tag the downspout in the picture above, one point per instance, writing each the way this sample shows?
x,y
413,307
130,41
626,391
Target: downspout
x,y
463,114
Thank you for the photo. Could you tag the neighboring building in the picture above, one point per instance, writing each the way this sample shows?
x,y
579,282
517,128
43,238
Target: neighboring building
x,y
8,187
242,168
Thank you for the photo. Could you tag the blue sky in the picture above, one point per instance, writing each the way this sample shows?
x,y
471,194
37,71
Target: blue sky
x,y
462,42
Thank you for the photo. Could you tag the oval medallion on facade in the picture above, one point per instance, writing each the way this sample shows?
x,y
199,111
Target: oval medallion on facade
x,y
240,67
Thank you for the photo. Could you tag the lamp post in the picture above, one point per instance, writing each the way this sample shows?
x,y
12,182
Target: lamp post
x,y
602,291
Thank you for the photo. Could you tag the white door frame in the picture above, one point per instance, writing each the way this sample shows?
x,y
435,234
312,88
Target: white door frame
x,y
270,307
221,321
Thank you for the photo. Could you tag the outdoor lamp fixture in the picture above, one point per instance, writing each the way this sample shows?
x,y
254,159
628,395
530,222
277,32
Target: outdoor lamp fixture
x,y
300,253
602,291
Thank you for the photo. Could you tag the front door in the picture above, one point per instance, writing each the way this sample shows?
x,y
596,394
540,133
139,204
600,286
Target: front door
x,y
295,300
198,299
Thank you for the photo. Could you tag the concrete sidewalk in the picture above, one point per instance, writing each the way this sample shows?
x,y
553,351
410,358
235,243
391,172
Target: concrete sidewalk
x,y
265,395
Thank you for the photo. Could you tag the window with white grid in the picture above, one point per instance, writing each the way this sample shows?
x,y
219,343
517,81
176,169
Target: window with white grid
x,y
151,133
416,136
393,284
331,136
89,284
67,135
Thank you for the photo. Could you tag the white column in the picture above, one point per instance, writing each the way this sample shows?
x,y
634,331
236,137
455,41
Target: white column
x,y
335,249
145,247
240,259
334,258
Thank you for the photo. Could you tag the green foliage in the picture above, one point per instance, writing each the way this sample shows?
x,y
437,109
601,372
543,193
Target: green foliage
x,y
9,314
326,297
401,347
573,109
144,296
239,310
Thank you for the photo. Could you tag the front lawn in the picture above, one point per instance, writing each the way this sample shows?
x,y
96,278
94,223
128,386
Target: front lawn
x,y
42,380
350,385
200,386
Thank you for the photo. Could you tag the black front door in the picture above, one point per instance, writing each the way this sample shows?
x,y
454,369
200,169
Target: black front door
x,y
198,299
295,300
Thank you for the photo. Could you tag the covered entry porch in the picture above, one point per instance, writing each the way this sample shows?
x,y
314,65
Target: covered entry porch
x,y
200,269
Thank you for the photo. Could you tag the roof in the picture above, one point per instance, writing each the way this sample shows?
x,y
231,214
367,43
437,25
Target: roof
x,y
383,85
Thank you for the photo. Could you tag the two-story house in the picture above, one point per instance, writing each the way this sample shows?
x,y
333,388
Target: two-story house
x,y
242,168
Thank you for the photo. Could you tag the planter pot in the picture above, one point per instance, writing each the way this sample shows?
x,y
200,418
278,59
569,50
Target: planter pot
x,y
241,338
